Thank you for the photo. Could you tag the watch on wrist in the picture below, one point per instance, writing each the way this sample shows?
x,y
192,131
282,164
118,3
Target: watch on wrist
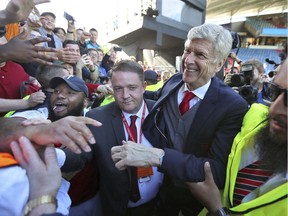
x,y
45,199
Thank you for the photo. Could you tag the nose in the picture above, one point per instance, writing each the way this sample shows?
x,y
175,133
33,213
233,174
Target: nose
x,y
126,93
61,95
190,58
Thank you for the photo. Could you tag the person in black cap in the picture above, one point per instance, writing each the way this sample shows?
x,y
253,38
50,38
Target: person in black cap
x,y
69,97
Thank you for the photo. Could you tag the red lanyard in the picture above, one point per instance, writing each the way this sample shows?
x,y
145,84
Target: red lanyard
x,y
128,128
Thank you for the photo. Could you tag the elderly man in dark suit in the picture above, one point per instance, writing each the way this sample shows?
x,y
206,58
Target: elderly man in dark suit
x,y
194,120
118,194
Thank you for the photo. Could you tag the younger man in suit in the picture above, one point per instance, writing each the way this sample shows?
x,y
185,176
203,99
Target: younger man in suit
x,y
116,186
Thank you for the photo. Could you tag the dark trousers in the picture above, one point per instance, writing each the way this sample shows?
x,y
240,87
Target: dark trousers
x,y
146,209
174,199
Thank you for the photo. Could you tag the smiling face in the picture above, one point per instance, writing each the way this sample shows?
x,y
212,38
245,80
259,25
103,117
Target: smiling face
x,y
128,90
94,36
93,55
48,23
198,63
65,101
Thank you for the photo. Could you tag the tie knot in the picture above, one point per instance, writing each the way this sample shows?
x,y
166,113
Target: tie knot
x,y
133,119
188,96
184,105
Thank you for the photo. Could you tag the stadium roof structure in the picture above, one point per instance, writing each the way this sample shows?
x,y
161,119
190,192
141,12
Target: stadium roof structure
x,y
225,10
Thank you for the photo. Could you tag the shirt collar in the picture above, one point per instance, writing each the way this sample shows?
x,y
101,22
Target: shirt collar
x,y
138,114
199,92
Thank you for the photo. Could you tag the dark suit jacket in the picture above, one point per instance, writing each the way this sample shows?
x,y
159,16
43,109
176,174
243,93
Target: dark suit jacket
x,y
217,121
114,184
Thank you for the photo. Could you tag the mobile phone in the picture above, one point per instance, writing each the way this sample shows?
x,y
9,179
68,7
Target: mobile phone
x,y
68,17
117,49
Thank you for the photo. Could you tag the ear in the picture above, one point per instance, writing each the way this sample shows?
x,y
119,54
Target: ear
x,y
144,85
220,64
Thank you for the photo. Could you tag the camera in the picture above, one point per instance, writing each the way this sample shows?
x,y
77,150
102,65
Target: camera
x,y
246,74
242,80
249,93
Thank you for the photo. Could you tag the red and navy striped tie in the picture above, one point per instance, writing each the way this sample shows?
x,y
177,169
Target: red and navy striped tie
x,y
248,179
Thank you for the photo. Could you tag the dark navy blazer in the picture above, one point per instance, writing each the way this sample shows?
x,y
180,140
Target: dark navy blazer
x,y
217,121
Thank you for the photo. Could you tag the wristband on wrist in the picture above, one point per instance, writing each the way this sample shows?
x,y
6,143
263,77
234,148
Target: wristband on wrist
x,y
45,199
92,70
70,32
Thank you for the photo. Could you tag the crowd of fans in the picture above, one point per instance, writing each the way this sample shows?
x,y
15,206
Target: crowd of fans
x,y
189,148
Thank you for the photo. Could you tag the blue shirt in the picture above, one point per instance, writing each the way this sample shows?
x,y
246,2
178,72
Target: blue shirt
x,y
58,42
89,45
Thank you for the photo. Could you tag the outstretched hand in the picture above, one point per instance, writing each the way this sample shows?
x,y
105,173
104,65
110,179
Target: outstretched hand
x,y
26,51
207,191
70,131
18,10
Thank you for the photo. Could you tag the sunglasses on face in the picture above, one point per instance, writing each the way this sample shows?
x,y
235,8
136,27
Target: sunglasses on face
x,y
271,92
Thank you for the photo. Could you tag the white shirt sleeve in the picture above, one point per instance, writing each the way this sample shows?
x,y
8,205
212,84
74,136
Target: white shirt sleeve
x,y
14,190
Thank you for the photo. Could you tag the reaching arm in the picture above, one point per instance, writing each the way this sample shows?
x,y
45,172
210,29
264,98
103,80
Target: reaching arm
x,y
26,50
70,131
208,193
18,10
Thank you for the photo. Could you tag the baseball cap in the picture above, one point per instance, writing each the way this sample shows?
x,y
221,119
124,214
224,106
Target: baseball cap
x,y
48,13
73,82
151,76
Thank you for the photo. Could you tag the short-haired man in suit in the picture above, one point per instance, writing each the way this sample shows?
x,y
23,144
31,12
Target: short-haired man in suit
x,y
117,187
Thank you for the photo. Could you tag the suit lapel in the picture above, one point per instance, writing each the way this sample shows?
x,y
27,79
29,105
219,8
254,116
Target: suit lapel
x,y
117,125
206,108
118,129
169,89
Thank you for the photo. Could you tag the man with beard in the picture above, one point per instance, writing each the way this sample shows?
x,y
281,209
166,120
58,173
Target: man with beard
x,y
194,120
263,139
44,74
67,96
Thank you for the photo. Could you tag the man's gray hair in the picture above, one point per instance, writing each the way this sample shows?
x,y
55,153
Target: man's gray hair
x,y
220,37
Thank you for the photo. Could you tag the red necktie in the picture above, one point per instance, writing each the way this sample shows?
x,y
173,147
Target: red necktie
x,y
135,194
184,105
248,179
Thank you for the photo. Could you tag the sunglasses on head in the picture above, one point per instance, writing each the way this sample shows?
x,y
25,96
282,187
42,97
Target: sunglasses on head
x,y
271,91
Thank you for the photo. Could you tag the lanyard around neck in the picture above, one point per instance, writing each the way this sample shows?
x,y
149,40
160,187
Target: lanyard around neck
x,y
128,128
